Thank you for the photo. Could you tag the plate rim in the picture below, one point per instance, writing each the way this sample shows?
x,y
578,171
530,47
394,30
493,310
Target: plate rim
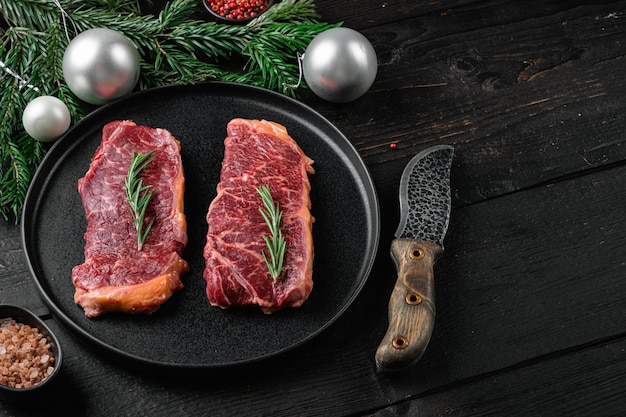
x,y
40,181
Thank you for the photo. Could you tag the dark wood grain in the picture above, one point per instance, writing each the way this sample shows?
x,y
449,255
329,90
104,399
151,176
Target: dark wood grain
x,y
555,386
16,286
531,301
509,95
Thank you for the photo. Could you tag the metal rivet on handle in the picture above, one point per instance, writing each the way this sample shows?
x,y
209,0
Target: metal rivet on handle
x,y
400,342
413,299
416,254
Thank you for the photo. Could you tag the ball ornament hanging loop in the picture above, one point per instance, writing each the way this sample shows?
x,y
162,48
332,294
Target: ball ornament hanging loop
x,y
100,65
340,65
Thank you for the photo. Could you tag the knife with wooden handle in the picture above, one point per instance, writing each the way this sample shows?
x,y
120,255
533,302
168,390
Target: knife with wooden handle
x,y
425,205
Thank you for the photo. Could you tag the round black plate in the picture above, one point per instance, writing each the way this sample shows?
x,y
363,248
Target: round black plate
x,y
187,332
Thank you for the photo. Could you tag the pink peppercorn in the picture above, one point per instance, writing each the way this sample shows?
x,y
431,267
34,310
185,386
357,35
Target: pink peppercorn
x,y
238,9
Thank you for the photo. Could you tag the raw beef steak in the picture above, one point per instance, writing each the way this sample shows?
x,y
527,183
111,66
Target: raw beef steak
x,y
116,276
259,153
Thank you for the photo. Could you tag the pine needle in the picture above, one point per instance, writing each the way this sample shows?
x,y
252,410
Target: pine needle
x,y
175,48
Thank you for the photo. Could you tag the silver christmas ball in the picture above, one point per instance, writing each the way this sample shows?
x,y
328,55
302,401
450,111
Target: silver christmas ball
x,y
46,118
100,65
340,65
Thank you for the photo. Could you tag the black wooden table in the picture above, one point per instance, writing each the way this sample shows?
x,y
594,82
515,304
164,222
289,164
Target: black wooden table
x,y
531,291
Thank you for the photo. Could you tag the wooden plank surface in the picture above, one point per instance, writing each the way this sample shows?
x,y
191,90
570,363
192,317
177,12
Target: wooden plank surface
x,y
505,298
530,291
555,386
513,96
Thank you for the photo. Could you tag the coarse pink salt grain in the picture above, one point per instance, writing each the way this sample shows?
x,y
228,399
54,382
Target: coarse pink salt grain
x,y
26,357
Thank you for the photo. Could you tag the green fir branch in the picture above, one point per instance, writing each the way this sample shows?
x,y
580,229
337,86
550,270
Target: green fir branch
x,y
175,48
19,153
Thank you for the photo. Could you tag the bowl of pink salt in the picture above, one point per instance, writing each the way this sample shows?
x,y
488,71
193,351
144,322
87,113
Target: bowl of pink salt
x,y
30,354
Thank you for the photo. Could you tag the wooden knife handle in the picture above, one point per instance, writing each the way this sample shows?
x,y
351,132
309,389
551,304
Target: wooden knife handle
x,y
411,306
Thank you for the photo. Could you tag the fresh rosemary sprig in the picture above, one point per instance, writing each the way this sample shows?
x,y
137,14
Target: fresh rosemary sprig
x,y
139,195
176,47
276,245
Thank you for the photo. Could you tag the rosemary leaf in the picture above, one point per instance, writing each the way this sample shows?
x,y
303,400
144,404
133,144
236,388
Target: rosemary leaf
x,y
275,242
139,195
